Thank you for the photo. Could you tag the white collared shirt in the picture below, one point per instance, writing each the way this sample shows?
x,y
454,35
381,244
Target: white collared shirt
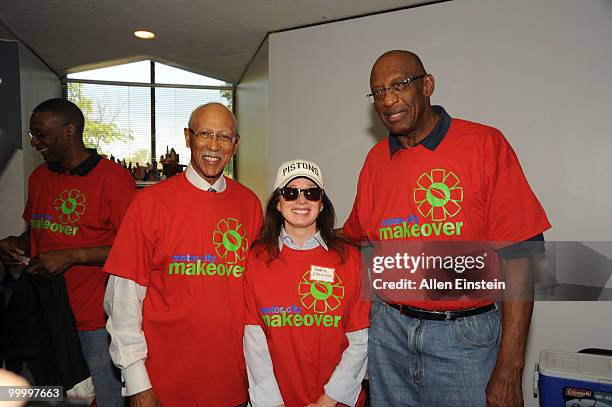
x,y
200,183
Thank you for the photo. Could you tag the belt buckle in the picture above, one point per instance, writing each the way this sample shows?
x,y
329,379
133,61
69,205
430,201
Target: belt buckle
x,y
448,315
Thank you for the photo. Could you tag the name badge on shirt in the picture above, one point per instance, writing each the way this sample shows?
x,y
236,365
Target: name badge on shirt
x,y
318,273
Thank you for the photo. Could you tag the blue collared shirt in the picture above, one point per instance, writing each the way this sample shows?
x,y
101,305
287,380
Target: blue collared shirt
x,y
315,241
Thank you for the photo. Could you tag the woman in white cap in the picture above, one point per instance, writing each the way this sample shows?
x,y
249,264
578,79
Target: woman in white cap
x,y
306,331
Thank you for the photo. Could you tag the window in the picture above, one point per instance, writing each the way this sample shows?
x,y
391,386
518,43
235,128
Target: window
x,y
131,117
139,72
117,119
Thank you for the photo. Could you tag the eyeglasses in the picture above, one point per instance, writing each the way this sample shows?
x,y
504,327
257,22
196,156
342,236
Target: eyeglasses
x,y
291,194
42,133
396,88
222,138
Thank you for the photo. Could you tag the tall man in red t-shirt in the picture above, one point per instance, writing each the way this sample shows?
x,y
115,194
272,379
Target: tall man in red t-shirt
x,y
437,178
76,201
175,298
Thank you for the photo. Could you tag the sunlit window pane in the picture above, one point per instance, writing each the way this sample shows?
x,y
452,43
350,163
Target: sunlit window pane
x,y
173,107
139,72
118,118
176,76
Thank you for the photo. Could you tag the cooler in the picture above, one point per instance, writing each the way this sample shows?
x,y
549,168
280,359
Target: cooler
x,y
573,380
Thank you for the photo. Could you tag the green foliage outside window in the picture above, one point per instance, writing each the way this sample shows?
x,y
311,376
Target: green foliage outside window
x,y
100,127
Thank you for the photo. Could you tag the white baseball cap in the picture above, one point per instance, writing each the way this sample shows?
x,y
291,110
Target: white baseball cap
x,y
291,170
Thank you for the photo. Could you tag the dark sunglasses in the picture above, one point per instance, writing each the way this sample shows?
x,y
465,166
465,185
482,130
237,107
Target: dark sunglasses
x,y
291,193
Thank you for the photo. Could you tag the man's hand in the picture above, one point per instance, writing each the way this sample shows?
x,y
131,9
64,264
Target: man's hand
x,y
11,251
53,263
324,401
505,387
146,398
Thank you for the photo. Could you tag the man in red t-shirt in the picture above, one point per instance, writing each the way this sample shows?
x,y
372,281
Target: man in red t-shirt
x,y
175,299
76,201
441,179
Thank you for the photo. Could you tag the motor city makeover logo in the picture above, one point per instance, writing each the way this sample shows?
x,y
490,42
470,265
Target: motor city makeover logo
x,y
69,207
437,196
231,244
320,296
230,240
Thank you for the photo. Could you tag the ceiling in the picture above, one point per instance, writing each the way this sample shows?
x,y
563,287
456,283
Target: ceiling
x,y
216,38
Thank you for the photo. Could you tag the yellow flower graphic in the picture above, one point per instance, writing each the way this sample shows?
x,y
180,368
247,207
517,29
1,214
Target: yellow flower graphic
x,y
438,194
70,205
230,240
321,296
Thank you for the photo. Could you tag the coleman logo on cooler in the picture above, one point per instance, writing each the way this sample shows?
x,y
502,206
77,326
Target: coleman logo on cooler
x,y
578,393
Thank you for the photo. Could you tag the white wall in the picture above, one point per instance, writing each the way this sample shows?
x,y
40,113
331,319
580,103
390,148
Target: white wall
x,y
252,114
539,70
37,83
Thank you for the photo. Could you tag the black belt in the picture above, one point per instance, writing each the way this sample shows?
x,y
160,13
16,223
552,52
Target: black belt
x,y
440,315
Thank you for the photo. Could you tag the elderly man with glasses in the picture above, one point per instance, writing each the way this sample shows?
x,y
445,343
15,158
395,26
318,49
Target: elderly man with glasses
x,y
442,179
76,201
175,298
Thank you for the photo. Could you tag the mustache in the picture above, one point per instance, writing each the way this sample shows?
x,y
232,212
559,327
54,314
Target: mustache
x,y
208,153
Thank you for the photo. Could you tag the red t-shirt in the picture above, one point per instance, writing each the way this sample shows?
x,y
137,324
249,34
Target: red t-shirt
x,y
469,188
305,302
72,211
189,248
